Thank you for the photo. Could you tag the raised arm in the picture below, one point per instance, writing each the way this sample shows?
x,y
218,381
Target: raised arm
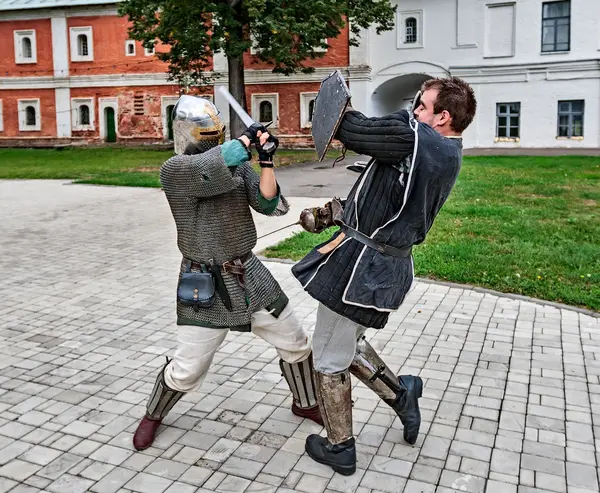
x,y
387,139
199,175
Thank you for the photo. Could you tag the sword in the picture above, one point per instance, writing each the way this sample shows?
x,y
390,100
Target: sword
x,y
277,230
245,117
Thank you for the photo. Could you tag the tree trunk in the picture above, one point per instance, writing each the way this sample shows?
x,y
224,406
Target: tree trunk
x,y
237,89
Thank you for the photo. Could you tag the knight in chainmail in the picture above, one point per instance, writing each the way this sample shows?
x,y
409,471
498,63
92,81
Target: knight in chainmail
x,y
211,187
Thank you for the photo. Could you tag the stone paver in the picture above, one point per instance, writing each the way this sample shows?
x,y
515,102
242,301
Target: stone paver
x,y
511,400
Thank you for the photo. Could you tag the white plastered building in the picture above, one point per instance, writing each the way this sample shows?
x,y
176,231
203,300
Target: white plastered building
x,y
534,66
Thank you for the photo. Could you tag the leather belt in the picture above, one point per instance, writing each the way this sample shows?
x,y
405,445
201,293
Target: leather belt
x,y
231,266
235,267
375,245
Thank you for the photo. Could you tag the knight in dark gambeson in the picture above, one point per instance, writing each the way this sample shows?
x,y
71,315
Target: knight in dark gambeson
x,y
365,270
211,187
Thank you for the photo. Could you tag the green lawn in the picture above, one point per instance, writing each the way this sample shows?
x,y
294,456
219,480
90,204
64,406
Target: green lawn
x,y
525,225
107,166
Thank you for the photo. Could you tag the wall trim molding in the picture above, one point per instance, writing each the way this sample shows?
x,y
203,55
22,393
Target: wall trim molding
x,y
161,79
47,13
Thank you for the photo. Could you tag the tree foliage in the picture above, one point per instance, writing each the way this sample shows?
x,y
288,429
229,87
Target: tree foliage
x,y
285,32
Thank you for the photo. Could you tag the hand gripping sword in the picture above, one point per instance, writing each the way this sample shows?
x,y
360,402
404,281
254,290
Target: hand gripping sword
x,y
245,117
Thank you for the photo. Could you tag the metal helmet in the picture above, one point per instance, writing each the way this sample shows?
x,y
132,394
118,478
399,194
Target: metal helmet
x,y
197,125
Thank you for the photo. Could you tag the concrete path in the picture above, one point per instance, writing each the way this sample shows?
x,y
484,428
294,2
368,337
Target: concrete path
x,y
511,400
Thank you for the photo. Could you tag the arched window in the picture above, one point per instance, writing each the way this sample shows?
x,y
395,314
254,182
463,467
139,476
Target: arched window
x,y
410,30
27,48
82,45
30,115
265,111
311,109
84,114
130,49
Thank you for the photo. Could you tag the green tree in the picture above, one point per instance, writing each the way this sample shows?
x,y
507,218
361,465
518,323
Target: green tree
x,y
284,32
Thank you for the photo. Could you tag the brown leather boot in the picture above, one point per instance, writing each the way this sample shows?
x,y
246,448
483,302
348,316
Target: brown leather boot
x,y
145,433
313,413
160,403
301,380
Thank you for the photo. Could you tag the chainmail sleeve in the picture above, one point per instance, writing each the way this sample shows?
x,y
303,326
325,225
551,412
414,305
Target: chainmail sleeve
x,y
387,139
199,175
252,183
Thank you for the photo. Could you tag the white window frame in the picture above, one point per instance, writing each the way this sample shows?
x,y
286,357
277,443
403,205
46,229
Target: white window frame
x,y
148,52
305,99
1,118
76,103
273,98
19,55
22,104
128,43
401,29
74,32
318,49
254,50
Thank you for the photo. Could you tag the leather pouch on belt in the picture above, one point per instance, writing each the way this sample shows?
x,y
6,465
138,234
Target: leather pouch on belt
x,y
196,289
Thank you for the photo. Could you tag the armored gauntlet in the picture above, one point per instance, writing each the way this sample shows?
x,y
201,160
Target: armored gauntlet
x,y
318,219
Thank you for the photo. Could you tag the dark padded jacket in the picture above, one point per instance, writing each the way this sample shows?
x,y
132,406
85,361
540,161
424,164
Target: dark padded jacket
x,y
395,201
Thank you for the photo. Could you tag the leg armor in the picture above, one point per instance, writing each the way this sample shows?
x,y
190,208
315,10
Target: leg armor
x,y
335,400
400,393
300,378
160,403
162,398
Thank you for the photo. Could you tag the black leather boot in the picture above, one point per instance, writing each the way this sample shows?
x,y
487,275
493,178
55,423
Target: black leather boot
x,y
400,393
406,406
337,450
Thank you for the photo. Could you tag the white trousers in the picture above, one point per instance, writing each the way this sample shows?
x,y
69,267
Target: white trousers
x,y
197,346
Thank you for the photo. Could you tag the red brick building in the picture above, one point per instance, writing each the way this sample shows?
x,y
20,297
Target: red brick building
x,y
70,74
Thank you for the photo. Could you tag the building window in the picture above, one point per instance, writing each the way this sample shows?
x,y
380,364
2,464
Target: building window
x,y
266,111
570,118
556,26
1,118
266,108
29,115
25,47
149,52
320,49
307,107
508,120
82,44
129,48
82,114
410,29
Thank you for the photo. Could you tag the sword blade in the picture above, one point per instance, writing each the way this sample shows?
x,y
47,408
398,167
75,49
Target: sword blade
x,y
277,230
245,117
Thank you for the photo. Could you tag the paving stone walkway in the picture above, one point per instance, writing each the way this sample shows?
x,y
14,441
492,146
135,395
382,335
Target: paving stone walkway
x,y
511,400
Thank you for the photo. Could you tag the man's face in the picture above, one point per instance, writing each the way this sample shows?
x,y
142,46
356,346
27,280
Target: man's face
x,y
424,112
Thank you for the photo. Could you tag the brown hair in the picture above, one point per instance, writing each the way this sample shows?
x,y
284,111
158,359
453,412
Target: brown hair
x,y
456,97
